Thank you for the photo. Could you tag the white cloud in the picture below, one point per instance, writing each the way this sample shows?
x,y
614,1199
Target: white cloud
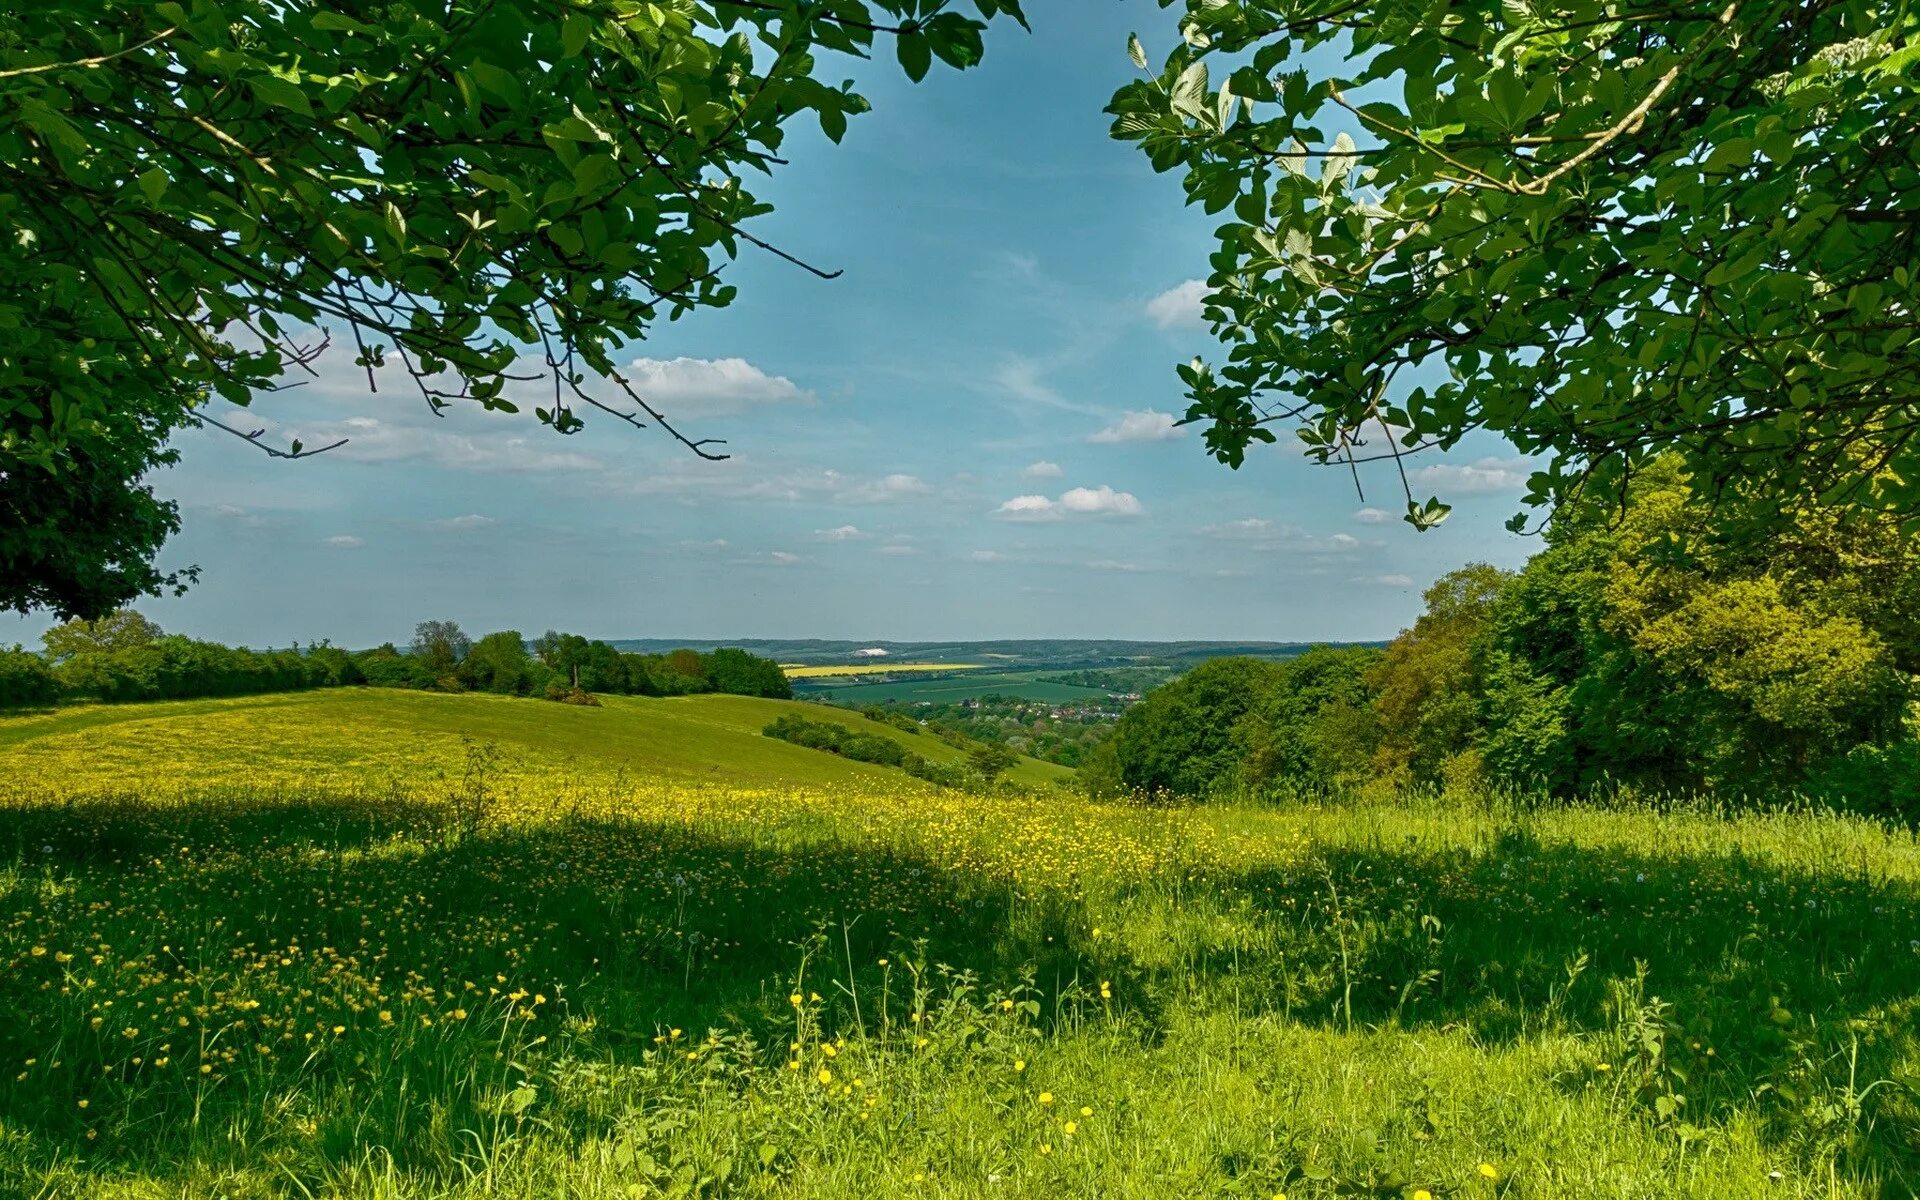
x,y
709,386
772,558
987,556
1373,516
1028,508
459,524
1246,529
1111,564
1022,379
1146,426
898,550
845,533
1179,305
1043,470
886,490
1485,475
464,439
1390,580
1261,535
245,518
690,480
1102,501
345,541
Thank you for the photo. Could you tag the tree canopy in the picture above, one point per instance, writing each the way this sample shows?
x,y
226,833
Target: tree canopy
x,y
1605,230
494,196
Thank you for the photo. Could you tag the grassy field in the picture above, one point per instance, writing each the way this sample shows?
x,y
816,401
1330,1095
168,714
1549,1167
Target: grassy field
x,y
310,947
816,671
361,737
1030,685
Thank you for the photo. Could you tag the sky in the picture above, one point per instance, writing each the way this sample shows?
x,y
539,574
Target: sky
x,y
967,435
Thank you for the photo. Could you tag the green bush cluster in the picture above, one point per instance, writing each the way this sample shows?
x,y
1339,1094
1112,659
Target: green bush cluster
x,y
1646,649
873,748
124,658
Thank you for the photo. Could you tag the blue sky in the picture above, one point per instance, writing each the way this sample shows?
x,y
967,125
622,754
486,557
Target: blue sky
x,y
965,436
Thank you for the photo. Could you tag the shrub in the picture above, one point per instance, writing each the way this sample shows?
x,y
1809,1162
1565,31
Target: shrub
x,y
25,679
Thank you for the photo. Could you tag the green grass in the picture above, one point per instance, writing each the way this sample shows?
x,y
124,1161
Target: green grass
x,y
1026,684
379,733
596,997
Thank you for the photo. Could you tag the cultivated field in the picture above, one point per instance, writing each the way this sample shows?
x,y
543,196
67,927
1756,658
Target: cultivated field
x,y
1029,685
831,671
318,946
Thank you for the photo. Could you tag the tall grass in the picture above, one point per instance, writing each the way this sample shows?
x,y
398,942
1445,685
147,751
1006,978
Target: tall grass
x,y
618,990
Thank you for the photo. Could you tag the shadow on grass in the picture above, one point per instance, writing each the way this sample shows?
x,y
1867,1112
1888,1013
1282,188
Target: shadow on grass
x,y
632,929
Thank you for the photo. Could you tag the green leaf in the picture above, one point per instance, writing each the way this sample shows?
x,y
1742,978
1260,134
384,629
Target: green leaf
x,y
153,184
271,89
334,22
574,32
916,56
1136,51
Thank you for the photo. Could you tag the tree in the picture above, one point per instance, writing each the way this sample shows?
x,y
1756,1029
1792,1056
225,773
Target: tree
x,y
1653,647
80,539
739,673
498,662
990,759
25,679
1186,737
198,197
1426,686
121,630
440,645
1312,729
1604,231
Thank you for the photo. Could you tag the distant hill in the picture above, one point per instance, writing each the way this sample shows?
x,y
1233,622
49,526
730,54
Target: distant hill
x,y
1073,653
313,739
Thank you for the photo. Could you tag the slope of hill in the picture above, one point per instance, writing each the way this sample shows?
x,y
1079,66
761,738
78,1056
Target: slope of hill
x,y
362,734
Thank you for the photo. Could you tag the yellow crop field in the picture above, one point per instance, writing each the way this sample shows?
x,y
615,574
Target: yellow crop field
x,y
873,668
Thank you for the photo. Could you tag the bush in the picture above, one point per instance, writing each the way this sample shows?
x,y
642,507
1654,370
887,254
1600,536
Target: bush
x,y
26,681
1880,781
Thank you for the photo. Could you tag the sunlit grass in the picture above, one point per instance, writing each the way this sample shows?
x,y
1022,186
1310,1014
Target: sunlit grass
x,y
435,972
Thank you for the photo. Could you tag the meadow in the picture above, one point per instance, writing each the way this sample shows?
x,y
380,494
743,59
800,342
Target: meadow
x,y
377,944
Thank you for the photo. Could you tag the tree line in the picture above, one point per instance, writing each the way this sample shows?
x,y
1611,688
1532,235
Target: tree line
x,y
125,657
1653,648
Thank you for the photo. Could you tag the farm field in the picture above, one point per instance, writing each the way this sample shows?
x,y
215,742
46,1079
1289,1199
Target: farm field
x,y
850,670
307,947
1030,685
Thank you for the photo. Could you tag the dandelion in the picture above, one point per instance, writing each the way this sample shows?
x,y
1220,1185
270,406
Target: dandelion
x,y
1489,1171
825,1075
1046,1097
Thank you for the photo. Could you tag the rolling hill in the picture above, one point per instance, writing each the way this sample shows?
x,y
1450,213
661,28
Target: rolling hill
x,y
408,737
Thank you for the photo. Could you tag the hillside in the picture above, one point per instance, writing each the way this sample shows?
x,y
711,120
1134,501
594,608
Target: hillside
x,y
354,735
